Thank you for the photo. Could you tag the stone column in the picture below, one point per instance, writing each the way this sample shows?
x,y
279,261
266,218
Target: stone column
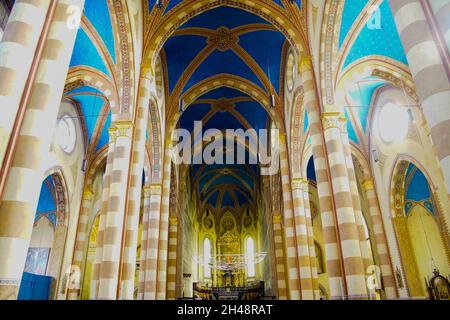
x,y
292,261
114,220
81,240
18,49
324,190
429,73
163,241
301,231
311,246
441,11
134,192
346,220
380,240
151,252
104,208
22,185
279,256
144,236
360,222
172,259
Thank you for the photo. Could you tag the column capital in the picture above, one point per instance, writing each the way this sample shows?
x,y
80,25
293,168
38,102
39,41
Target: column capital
x,y
305,64
173,221
88,194
124,128
332,120
277,218
299,184
368,184
112,131
155,189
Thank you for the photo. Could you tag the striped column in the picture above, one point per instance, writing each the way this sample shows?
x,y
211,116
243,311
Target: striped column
x,y
387,274
441,10
301,231
292,262
134,192
348,231
360,222
22,187
82,239
112,131
279,256
164,227
18,48
151,257
329,225
112,238
312,248
144,236
172,259
430,76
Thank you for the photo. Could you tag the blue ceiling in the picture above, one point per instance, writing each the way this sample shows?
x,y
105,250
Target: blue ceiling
x,y
383,41
181,50
417,190
47,202
86,54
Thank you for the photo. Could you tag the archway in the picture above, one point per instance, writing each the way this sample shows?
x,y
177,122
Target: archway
x,y
42,270
418,227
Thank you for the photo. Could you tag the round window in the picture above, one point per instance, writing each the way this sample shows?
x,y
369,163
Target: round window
x,y
393,123
66,134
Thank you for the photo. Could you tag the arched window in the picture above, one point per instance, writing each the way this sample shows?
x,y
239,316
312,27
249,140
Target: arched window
x,y
207,258
250,252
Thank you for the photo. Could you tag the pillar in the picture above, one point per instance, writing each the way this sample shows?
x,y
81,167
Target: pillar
x,y
279,256
18,49
333,255
346,220
360,221
151,252
114,220
292,262
22,185
112,131
144,236
387,274
301,231
81,240
163,241
429,72
172,259
311,246
134,192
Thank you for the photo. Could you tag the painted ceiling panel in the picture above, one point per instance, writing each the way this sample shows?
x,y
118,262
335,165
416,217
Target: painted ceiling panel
x,y
104,136
91,107
362,97
85,54
351,131
46,202
194,113
311,170
254,113
352,9
222,62
223,16
223,92
305,122
84,89
180,51
171,4
417,190
213,198
384,41
227,200
265,47
97,12
222,121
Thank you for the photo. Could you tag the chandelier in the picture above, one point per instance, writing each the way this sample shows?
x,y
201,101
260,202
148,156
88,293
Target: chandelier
x,y
229,262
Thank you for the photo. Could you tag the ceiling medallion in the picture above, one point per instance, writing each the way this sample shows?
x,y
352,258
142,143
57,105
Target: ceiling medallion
x,y
223,105
223,39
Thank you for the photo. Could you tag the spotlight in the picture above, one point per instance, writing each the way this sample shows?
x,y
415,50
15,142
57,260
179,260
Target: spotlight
x,y
159,4
180,105
375,155
83,165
